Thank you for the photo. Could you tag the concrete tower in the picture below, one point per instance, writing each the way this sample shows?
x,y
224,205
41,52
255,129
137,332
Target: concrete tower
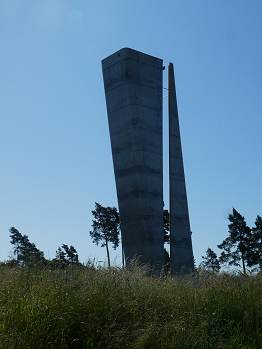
x,y
181,252
133,89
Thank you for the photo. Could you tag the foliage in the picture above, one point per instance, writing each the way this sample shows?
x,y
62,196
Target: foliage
x,y
236,246
65,256
210,261
254,254
25,251
109,308
106,227
166,262
166,218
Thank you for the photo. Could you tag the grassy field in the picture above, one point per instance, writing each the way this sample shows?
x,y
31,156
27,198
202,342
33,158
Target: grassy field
x,y
88,308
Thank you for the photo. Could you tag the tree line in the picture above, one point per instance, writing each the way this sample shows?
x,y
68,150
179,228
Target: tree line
x,y
242,247
25,253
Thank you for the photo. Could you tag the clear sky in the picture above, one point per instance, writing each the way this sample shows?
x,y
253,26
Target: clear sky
x,y
55,151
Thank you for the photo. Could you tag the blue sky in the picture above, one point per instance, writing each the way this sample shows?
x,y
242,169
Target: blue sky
x,y
54,142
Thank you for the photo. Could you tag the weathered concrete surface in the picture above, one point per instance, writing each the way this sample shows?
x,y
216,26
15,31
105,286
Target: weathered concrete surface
x,y
133,88
181,252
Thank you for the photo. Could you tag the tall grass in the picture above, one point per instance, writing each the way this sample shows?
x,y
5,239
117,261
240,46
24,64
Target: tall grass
x,y
89,308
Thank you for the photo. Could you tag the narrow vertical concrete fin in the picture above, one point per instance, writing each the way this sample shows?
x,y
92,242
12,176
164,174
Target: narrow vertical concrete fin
x,y
181,252
133,89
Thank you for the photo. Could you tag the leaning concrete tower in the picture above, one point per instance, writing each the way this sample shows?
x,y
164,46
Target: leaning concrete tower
x,y
133,89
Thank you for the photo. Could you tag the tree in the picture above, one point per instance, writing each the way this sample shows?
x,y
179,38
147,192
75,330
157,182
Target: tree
x,y
210,261
60,257
166,226
25,251
106,227
166,262
254,254
166,219
66,255
236,246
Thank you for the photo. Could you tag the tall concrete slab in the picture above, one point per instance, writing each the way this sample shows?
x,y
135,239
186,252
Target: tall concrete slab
x,y
133,89
181,253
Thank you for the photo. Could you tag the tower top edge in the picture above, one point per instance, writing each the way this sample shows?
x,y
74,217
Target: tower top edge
x,y
129,53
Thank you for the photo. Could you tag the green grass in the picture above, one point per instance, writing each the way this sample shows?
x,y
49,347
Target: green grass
x,y
88,308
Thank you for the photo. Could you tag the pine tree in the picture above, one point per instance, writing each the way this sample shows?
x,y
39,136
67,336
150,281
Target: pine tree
x,y
65,256
166,219
166,262
71,254
254,254
25,251
60,258
236,246
210,261
106,227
